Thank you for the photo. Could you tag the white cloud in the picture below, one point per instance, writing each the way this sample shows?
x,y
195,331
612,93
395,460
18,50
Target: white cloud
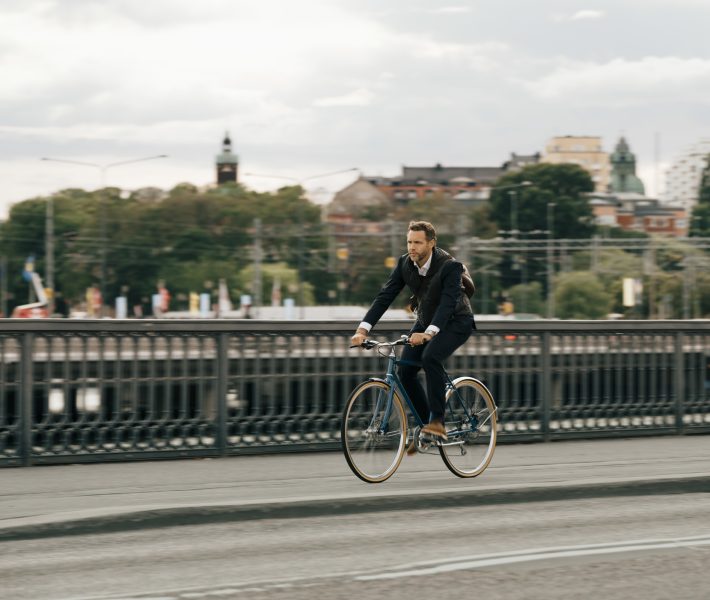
x,y
110,80
359,97
483,56
622,81
125,67
580,15
450,10
583,15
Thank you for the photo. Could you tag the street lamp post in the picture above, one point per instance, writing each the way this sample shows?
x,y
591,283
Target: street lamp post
x,y
513,213
49,253
301,249
550,262
512,191
49,231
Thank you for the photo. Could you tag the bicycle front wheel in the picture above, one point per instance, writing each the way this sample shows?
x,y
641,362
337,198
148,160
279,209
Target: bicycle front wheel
x,y
471,426
373,431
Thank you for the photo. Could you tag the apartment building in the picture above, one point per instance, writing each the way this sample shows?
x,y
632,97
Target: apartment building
x,y
585,151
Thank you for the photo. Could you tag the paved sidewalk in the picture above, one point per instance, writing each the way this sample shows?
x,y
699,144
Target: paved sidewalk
x,y
66,499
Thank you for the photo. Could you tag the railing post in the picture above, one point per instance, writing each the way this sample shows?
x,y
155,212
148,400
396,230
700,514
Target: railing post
x,y
546,384
678,380
222,375
25,408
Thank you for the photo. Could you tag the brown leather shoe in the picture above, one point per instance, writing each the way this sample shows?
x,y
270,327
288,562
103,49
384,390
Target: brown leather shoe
x,y
435,429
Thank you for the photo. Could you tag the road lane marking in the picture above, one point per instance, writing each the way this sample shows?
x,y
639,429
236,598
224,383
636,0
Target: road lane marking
x,y
504,558
431,567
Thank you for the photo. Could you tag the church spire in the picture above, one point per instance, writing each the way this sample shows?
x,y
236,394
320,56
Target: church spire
x,y
227,162
623,170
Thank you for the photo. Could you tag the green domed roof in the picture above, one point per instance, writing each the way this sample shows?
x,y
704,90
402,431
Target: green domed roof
x,y
623,170
622,182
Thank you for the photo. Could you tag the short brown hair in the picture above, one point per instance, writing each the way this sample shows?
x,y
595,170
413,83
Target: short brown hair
x,y
424,226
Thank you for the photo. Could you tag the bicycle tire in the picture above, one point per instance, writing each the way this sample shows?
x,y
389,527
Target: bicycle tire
x,y
472,428
373,454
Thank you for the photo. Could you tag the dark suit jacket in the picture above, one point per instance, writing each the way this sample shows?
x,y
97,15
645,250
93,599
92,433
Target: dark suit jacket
x,y
444,315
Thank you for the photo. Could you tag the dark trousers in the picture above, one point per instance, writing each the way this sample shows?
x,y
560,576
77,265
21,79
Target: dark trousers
x,y
431,357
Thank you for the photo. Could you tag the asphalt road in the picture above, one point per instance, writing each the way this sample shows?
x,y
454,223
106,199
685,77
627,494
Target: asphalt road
x,y
654,547
37,499
616,518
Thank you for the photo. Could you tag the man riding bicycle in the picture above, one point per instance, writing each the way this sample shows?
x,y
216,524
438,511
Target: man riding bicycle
x,y
444,320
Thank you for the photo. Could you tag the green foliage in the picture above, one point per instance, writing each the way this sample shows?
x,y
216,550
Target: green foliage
x,y
704,192
364,272
700,221
190,239
185,237
555,201
199,276
619,233
527,298
283,275
564,185
443,212
612,266
700,217
581,295
482,224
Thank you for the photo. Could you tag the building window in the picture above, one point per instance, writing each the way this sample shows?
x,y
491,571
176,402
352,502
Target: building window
x,y
606,220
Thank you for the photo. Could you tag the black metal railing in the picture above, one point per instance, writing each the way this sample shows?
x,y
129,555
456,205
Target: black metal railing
x,y
73,391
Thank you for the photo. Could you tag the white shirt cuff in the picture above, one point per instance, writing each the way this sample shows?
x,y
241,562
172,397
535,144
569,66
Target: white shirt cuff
x,y
365,326
432,330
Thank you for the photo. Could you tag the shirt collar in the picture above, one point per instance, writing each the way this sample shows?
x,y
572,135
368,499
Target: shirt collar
x,y
425,269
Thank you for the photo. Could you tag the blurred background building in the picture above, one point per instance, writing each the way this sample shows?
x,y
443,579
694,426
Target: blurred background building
x,y
585,151
684,175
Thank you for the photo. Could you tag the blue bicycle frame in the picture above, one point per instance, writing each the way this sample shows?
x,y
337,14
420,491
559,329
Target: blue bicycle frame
x,y
394,383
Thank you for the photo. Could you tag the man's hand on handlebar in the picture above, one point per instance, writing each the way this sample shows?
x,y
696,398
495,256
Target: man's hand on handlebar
x,y
416,339
359,337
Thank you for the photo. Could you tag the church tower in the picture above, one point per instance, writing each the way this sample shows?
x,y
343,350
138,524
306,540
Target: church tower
x,y
227,163
623,170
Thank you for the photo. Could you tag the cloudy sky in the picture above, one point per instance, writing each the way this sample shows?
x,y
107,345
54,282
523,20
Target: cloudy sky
x,y
316,86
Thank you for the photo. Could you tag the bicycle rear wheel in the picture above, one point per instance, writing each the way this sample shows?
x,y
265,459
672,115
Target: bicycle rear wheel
x,y
471,426
373,431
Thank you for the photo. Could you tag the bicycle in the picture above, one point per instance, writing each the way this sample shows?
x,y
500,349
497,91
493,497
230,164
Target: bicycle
x,y
374,425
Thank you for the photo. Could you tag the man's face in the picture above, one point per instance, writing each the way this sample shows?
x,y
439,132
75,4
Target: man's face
x,y
418,247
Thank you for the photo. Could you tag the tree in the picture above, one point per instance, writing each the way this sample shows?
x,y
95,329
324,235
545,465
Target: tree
x,y
700,216
482,224
184,237
611,267
565,184
440,210
523,212
274,272
527,298
581,295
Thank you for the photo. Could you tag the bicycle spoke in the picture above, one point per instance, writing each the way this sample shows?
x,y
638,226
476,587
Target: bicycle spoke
x,y
471,427
373,432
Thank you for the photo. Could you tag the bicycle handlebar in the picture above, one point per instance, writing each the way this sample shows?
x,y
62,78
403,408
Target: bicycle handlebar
x,y
370,344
